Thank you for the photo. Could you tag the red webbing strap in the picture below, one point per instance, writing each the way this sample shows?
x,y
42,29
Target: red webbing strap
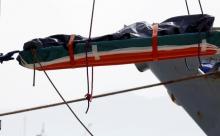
x,y
155,41
71,48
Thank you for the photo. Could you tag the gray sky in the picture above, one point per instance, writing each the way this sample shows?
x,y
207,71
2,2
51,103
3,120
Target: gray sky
x,y
147,112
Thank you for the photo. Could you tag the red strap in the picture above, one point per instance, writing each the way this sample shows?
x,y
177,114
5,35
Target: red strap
x,y
155,41
71,49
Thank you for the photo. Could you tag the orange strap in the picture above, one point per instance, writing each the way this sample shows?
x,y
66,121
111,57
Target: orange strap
x,y
71,48
155,41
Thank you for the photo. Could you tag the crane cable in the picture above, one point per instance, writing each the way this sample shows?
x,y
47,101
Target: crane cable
x,y
34,74
200,38
114,93
200,5
0,8
34,53
89,92
185,60
187,7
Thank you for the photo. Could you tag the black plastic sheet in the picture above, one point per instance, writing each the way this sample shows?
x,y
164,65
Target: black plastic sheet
x,y
174,25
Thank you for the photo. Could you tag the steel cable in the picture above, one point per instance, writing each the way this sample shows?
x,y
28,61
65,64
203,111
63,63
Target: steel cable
x,y
113,93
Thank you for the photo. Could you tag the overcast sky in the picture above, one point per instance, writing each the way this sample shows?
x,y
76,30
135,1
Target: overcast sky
x,y
147,112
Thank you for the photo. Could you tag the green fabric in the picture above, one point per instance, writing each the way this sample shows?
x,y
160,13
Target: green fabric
x,y
55,52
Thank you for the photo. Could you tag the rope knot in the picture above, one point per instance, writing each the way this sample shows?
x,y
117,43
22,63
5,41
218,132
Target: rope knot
x,y
88,97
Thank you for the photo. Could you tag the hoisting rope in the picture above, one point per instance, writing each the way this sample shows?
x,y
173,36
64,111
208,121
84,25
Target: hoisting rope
x,y
200,37
34,53
200,5
88,45
0,8
217,73
34,74
187,7
185,58
199,49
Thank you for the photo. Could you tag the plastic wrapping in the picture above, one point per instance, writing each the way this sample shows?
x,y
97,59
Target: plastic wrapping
x,y
174,25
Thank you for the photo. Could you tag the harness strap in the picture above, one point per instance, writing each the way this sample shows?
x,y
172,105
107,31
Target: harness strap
x,y
71,48
155,41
